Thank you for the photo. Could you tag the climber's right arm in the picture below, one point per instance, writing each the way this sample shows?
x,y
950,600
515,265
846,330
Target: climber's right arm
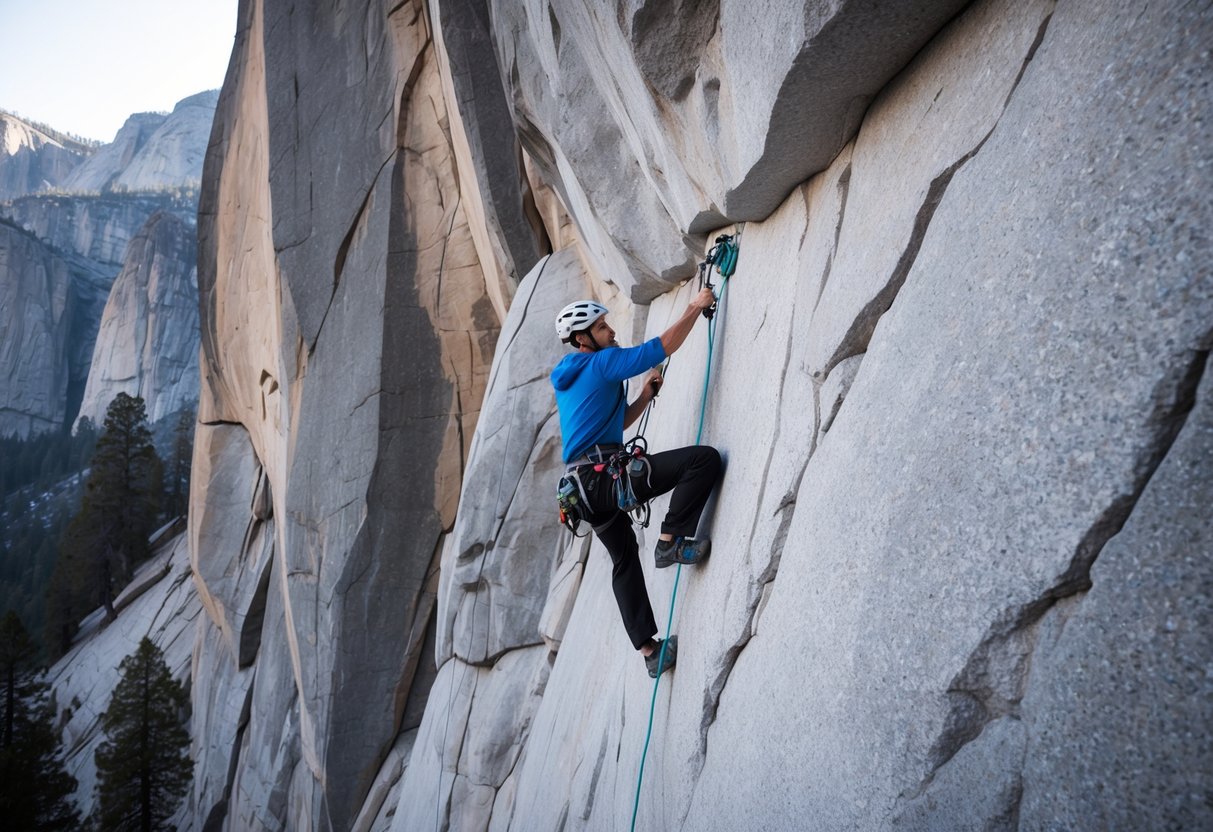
x,y
673,337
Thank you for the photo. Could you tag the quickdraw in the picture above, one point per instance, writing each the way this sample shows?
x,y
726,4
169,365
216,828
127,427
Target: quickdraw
x,y
722,255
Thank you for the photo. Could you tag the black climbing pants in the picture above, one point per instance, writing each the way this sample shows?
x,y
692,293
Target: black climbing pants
x,y
691,473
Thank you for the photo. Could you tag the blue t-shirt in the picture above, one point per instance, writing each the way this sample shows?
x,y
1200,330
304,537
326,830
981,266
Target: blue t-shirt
x,y
591,395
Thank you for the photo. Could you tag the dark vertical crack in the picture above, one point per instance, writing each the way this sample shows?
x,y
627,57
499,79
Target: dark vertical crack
x,y
844,190
442,259
343,249
215,817
360,215
994,679
857,337
594,777
254,618
1031,53
527,305
766,470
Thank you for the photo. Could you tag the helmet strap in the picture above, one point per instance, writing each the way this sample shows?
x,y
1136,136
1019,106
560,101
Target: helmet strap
x,y
593,345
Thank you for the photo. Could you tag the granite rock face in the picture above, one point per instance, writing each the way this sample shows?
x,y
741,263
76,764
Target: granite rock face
x,y
33,159
660,122
93,234
172,155
147,344
95,227
151,151
959,563
959,384
347,333
493,585
110,160
36,309
160,603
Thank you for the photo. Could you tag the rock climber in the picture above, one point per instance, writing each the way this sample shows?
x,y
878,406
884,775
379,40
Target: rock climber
x,y
591,395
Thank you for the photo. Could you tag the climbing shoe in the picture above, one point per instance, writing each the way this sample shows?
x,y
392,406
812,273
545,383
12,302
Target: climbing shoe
x,y
681,550
671,656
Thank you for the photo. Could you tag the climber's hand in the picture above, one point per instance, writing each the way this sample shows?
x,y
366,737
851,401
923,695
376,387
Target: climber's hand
x,y
652,383
704,299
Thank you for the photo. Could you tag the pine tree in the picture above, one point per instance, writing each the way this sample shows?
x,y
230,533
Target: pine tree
x,y
121,492
107,538
143,767
35,790
179,464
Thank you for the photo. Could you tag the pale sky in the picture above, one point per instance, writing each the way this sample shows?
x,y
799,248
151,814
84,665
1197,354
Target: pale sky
x,y
83,66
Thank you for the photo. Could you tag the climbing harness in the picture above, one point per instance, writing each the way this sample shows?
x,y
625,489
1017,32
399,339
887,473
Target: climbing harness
x,y
623,467
722,255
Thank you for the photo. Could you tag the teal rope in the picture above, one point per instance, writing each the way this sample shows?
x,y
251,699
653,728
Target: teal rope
x,y
703,404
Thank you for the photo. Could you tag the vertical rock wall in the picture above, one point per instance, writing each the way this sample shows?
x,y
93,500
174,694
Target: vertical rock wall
x,y
32,159
959,565
347,329
92,235
35,328
960,549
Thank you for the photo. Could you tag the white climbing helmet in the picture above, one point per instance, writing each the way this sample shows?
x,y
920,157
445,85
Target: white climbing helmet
x,y
578,316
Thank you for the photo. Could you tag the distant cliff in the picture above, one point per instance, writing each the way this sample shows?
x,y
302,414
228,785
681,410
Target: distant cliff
x,y
95,211
151,150
38,306
98,227
34,158
147,344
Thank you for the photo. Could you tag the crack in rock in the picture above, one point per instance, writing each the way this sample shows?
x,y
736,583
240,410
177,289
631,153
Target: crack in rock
x,y
844,189
862,328
715,688
994,679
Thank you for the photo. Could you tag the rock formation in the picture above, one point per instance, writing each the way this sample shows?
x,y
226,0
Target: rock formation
x,y
36,307
34,159
160,603
960,575
96,227
347,335
92,233
151,151
147,344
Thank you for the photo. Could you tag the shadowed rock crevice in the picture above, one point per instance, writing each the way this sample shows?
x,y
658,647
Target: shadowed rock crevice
x,y
860,334
254,619
994,679
215,818
843,188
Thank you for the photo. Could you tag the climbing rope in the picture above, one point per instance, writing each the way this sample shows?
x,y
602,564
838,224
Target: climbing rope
x,y
726,258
